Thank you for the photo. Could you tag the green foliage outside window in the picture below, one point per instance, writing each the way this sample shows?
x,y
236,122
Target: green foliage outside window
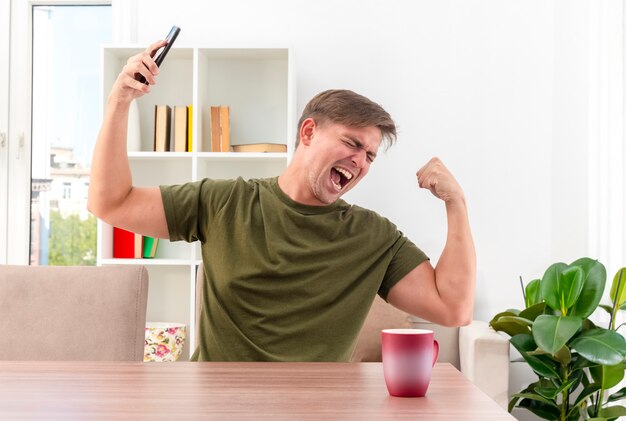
x,y
72,240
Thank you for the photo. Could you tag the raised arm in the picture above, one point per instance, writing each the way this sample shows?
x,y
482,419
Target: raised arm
x,y
445,294
112,196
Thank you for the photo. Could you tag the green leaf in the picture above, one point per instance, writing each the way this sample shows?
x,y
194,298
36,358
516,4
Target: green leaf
x,y
547,392
581,363
612,411
508,327
586,393
553,392
600,346
564,356
619,395
550,285
533,293
531,313
570,287
536,397
619,294
594,280
515,320
607,375
512,403
543,366
577,379
541,409
502,314
607,308
551,333
523,343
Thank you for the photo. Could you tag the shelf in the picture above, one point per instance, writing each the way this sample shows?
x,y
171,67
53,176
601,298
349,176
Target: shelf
x,y
258,84
160,155
233,156
148,262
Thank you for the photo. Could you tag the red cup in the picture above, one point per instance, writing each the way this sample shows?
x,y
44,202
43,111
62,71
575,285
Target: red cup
x,y
408,359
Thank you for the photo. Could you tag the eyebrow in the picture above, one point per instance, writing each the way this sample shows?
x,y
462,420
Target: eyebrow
x,y
359,144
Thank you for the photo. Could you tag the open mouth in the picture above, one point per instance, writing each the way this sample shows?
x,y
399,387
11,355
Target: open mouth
x,y
340,177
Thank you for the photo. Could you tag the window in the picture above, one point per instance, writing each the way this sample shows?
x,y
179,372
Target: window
x,y
65,121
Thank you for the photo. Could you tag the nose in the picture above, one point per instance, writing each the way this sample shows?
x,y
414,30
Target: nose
x,y
359,158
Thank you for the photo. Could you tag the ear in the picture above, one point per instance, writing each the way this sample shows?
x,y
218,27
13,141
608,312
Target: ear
x,y
307,128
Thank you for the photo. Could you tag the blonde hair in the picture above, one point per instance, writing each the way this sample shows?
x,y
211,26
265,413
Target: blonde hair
x,y
346,107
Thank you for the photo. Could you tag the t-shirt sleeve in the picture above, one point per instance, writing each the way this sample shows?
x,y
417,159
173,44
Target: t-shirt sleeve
x,y
190,207
407,257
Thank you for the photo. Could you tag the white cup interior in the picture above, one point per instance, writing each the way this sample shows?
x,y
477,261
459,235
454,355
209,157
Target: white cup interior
x,y
407,331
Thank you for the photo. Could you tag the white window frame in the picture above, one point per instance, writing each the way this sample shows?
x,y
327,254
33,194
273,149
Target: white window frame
x,y
607,223
16,112
5,31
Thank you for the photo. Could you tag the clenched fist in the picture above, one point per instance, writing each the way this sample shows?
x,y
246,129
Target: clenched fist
x,y
435,177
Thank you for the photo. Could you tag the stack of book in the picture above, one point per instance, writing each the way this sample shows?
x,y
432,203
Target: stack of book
x,y
128,245
172,128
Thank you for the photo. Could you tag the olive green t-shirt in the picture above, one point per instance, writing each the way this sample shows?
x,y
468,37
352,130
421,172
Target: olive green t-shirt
x,y
284,281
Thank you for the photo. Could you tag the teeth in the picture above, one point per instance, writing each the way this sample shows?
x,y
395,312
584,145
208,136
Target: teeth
x,y
345,173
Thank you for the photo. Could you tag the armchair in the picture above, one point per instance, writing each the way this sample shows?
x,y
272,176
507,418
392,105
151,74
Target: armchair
x,y
73,313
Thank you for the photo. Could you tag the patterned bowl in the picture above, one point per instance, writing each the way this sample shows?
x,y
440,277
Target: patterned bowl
x,y
164,341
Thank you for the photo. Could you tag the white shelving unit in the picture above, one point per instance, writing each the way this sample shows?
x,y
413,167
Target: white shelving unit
x,y
258,85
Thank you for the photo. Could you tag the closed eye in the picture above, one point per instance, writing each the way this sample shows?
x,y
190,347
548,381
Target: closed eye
x,y
355,144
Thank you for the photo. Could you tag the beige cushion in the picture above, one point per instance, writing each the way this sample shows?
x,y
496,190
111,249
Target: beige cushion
x,y
73,312
381,316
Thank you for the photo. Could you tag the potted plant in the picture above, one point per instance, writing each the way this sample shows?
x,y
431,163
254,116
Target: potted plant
x,y
575,360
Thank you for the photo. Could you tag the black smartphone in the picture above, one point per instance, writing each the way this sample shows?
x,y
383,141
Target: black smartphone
x,y
171,37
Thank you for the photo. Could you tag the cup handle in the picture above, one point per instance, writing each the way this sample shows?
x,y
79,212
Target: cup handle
x,y
435,351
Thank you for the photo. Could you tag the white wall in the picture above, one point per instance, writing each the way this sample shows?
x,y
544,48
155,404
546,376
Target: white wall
x,y
497,89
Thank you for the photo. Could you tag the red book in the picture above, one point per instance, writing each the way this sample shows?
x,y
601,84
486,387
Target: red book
x,y
126,244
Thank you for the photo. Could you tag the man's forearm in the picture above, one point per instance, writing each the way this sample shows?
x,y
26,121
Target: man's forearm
x,y
455,272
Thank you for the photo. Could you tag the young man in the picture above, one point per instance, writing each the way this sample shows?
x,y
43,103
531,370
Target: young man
x,y
291,269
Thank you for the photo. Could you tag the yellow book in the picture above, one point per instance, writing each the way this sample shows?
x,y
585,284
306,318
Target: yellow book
x,y
189,128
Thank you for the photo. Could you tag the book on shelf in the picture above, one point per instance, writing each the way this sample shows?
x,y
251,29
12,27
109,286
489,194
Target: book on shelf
x,y
215,129
220,128
126,244
180,129
224,128
162,116
189,128
150,246
260,147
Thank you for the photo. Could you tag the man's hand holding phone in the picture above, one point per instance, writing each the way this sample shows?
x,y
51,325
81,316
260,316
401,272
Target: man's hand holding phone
x,y
144,65
140,70
169,40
